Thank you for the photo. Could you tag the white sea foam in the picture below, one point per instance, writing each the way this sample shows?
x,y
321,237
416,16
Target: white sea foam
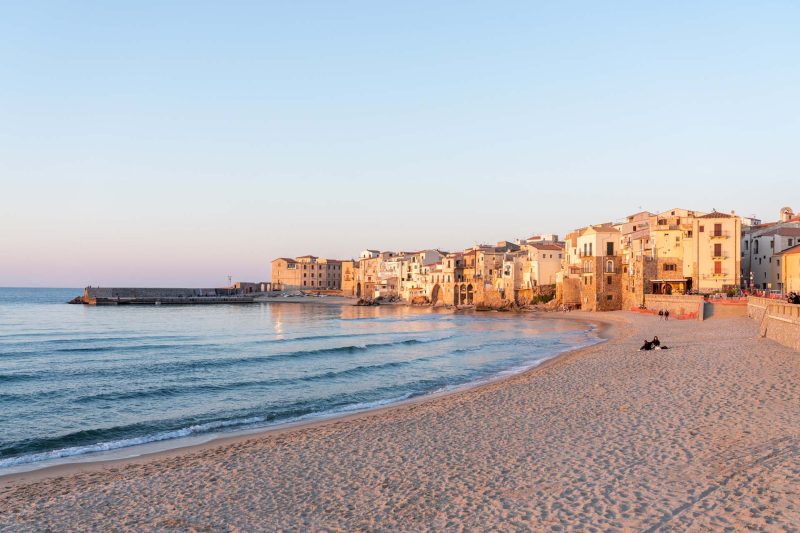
x,y
124,443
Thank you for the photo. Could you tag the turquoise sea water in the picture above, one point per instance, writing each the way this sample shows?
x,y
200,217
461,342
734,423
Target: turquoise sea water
x,y
77,379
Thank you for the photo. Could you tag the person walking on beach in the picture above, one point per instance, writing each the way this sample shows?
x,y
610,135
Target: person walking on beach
x,y
666,314
660,314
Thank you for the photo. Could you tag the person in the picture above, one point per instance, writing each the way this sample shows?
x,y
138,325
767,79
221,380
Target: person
x,y
646,346
660,314
656,343
666,314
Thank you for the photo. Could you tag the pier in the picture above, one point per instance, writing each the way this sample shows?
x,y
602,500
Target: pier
x,y
163,296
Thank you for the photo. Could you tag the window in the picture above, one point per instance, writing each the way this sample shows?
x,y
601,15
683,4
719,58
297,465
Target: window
x,y
609,280
746,245
717,250
717,267
609,248
755,246
772,244
609,297
689,234
717,230
701,229
791,242
670,267
609,266
291,266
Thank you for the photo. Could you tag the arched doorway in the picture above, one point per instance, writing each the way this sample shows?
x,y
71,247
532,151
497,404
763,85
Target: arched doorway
x,y
358,290
436,294
469,294
668,288
455,294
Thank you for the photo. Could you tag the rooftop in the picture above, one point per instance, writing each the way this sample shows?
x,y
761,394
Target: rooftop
x,y
717,214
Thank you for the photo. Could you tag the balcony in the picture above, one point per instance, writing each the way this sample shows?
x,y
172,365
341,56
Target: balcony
x,y
719,235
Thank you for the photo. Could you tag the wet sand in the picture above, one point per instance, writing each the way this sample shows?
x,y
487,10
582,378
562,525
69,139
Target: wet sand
x,y
705,436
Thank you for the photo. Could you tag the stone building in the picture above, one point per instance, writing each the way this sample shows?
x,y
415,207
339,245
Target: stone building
x,y
591,277
306,273
679,251
348,286
544,263
417,281
761,248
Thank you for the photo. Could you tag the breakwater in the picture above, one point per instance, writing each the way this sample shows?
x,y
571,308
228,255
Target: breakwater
x,y
158,296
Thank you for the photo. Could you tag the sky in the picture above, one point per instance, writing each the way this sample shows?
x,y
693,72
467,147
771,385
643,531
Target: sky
x,y
176,143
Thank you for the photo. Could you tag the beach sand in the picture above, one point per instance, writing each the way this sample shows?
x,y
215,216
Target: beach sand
x,y
705,436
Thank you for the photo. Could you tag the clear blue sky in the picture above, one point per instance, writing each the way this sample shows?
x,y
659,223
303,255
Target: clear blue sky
x,y
175,143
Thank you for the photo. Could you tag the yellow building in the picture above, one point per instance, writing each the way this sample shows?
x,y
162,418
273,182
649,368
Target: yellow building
x,y
717,252
790,269
680,251
306,272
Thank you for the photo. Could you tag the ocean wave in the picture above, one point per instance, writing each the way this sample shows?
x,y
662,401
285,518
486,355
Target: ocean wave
x,y
176,390
297,414
124,443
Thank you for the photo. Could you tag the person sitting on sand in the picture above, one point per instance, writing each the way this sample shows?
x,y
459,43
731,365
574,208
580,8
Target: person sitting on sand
x,y
656,343
646,346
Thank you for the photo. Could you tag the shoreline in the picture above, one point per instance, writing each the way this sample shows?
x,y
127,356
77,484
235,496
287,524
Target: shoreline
x,y
97,461
704,436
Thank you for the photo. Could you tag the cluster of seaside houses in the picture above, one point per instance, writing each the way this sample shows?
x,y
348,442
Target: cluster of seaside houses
x,y
601,267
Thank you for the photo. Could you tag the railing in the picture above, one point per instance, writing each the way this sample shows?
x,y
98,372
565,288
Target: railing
x,y
719,235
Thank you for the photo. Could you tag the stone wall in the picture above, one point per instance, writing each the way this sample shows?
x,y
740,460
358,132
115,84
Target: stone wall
x,y
778,320
757,307
679,305
570,291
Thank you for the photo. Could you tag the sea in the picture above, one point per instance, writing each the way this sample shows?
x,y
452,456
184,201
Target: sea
x,y
77,381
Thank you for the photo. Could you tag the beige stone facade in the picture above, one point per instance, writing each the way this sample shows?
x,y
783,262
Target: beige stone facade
x,y
306,273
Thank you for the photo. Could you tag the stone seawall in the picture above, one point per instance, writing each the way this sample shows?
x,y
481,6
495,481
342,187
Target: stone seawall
x,y
680,306
155,296
777,320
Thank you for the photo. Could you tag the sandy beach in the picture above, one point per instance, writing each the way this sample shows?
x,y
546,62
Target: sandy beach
x,y
704,436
